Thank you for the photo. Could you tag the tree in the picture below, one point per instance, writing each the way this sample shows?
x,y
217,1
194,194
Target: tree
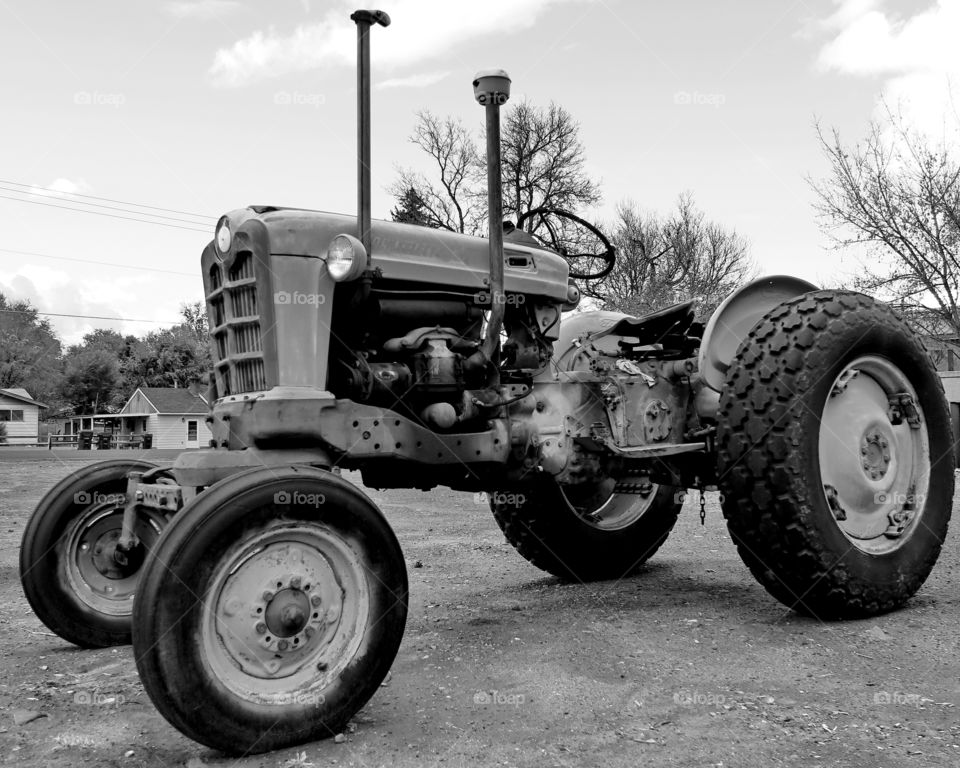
x,y
662,260
411,209
897,194
543,165
91,379
451,202
29,351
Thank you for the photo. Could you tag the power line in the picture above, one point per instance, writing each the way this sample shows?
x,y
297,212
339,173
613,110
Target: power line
x,y
101,205
90,317
101,263
110,200
101,213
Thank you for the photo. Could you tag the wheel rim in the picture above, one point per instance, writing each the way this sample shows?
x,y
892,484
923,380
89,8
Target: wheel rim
x,y
93,573
286,612
874,455
603,507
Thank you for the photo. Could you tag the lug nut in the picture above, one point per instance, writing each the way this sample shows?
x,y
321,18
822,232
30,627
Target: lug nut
x,y
295,582
321,666
315,600
282,645
261,628
268,595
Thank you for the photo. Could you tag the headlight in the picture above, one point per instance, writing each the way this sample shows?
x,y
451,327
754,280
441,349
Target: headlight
x,y
224,236
346,258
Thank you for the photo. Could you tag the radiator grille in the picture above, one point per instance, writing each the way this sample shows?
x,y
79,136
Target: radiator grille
x,y
236,331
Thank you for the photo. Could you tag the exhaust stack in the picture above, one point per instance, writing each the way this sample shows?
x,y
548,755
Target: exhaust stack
x,y
491,89
364,20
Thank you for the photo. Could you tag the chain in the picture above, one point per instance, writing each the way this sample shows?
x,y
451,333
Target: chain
x,y
703,507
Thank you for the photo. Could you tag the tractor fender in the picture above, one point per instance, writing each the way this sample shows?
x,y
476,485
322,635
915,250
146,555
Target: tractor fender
x,y
736,316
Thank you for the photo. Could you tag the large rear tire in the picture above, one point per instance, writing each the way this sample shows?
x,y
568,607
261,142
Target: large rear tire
x,y
270,611
67,567
835,456
600,535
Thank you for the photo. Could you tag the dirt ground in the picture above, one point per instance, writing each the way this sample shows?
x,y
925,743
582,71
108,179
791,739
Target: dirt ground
x,y
689,663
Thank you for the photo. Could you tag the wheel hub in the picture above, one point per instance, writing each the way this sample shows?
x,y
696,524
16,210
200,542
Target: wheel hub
x,y
875,454
287,613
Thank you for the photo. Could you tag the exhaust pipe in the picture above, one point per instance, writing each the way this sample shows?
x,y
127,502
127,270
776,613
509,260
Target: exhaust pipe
x,y
491,89
364,20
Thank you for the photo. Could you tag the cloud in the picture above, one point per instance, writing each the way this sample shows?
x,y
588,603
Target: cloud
x,y
422,80
421,30
201,9
62,188
916,56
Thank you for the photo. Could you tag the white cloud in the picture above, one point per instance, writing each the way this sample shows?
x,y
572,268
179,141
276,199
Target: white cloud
x,y
201,9
421,30
62,188
915,55
422,80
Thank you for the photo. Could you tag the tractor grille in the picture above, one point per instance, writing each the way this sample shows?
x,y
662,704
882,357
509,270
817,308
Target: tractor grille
x,y
236,333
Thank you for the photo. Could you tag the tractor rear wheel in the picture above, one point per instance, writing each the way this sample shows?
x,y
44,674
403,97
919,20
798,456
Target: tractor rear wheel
x,y
270,611
835,456
75,579
589,534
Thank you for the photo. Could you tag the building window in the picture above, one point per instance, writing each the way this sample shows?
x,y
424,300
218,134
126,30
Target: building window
x,y
8,415
191,431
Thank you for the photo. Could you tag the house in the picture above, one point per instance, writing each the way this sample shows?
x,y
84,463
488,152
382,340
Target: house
x,y
20,414
175,417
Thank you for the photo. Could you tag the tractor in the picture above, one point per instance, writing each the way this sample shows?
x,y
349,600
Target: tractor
x,y
266,596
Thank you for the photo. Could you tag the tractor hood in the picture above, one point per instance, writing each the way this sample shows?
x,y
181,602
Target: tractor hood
x,y
409,253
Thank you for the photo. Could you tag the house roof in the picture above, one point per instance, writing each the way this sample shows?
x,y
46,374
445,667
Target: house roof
x,y
172,400
19,393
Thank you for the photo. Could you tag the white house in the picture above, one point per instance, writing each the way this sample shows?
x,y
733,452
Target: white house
x,y
20,414
175,417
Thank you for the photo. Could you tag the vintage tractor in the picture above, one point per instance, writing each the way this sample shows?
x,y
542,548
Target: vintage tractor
x,y
266,596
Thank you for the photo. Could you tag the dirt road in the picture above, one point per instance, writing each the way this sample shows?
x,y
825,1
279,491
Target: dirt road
x,y
689,663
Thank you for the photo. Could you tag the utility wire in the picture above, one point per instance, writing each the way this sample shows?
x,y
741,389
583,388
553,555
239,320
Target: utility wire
x,y
101,263
101,205
91,317
109,200
111,215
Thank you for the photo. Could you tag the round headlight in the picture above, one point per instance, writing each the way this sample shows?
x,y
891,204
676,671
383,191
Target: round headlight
x,y
224,236
346,258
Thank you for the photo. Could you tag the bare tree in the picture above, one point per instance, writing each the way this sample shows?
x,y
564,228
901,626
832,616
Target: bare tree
x,y
543,166
543,162
898,195
662,260
451,202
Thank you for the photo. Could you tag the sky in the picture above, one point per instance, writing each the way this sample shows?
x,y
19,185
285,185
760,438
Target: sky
x,y
198,107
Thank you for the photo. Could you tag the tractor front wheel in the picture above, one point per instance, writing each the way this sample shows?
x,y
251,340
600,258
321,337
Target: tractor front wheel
x,y
270,611
74,576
